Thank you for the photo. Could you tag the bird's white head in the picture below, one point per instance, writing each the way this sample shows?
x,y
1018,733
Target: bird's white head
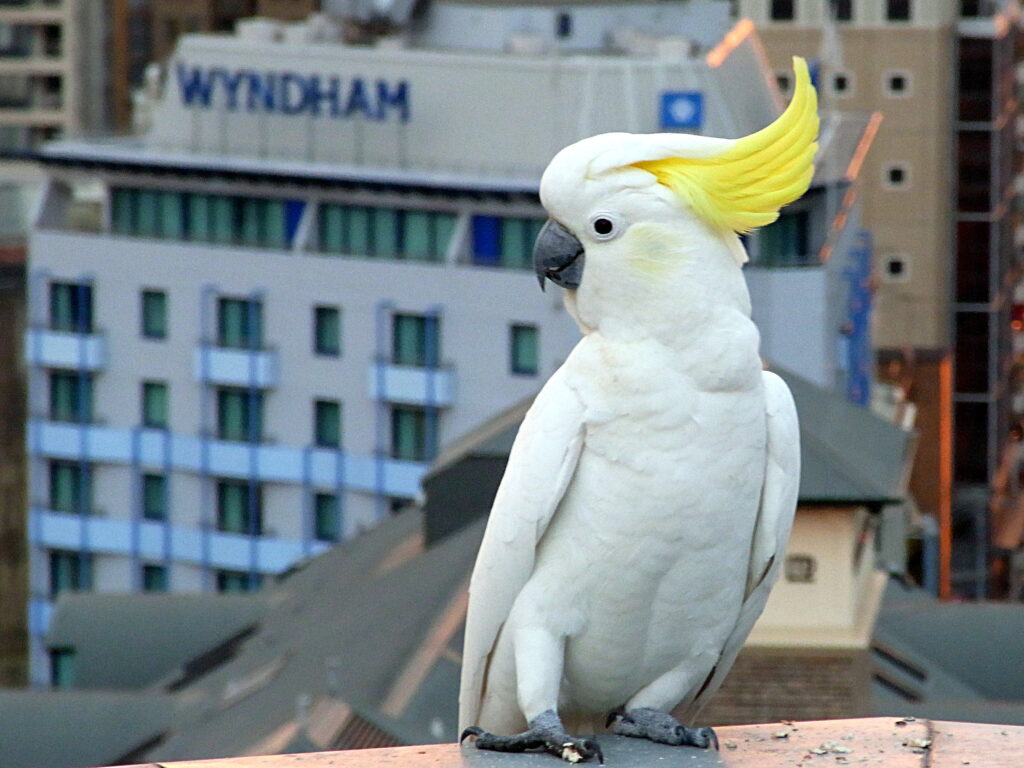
x,y
638,219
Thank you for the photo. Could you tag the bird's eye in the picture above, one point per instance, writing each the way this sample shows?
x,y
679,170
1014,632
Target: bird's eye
x,y
605,226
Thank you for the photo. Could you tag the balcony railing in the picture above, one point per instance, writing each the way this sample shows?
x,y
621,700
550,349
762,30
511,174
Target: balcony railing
x,y
429,386
64,349
236,367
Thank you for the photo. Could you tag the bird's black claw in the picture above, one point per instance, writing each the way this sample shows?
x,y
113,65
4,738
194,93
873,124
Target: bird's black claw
x,y
473,730
613,717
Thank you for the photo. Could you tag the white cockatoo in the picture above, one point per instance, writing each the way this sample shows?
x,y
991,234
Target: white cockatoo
x,y
651,489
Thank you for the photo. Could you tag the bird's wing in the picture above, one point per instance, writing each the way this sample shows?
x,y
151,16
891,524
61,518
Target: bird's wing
x,y
771,534
539,469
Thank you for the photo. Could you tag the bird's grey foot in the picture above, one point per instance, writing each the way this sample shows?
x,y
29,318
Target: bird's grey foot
x,y
658,726
546,732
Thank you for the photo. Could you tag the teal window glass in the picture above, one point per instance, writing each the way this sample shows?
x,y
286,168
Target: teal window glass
x,y
275,233
239,323
524,349
155,404
239,507
418,241
71,396
332,228
70,572
413,433
62,667
327,426
70,487
357,231
785,242
326,517
154,497
385,232
239,415
224,225
504,241
170,215
327,331
154,314
122,211
199,215
71,307
444,228
238,581
148,221
252,221
154,578
416,340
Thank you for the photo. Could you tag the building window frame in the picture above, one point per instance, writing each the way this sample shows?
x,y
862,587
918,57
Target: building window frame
x,y
239,323
782,10
155,408
154,577
327,330
327,520
153,321
327,423
71,396
413,433
239,507
153,488
899,11
71,307
239,414
70,487
415,340
524,349
70,571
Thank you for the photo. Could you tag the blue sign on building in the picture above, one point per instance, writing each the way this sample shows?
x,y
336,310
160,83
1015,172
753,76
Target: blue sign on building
x,y
682,109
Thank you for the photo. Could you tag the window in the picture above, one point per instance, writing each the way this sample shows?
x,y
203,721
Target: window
x,y
897,10
842,10
781,10
504,241
785,241
154,578
413,433
842,83
71,396
238,581
895,268
523,345
385,232
896,176
327,331
71,487
563,25
800,568
240,323
154,497
239,415
239,507
327,517
155,404
252,221
897,84
327,423
416,340
71,307
784,82
154,315
62,667
69,572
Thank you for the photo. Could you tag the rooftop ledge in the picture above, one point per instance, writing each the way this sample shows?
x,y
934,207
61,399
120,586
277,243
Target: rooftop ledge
x,y
880,741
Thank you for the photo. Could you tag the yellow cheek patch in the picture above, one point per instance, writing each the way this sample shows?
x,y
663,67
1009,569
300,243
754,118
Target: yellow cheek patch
x,y
651,249
744,187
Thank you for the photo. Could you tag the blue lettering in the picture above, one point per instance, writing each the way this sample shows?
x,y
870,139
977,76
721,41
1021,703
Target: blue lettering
x,y
231,83
195,85
397,99
316,94
358,101
261,91
293,93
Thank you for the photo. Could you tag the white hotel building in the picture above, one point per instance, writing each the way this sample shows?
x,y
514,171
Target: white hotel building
x,y
315,269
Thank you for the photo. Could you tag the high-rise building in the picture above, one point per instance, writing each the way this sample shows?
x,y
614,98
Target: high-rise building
x,y
315,270
939,191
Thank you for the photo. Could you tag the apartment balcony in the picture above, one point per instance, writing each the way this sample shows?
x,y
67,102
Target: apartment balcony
x,y
314,467
429,386
63,349
235,367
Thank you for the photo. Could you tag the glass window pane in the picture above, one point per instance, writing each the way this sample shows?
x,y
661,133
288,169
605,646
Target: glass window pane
x,y
239,323
357,231
409,340
444,227
417,241
71,307
332,228
327,517
327,430
149,215
224,228
122,214
237,581
524,349
154,314
154,578
172,219
199,215
327,330
253,223
275,225
385,232
232,507
486,240
413,433
154,497
62,667
155,404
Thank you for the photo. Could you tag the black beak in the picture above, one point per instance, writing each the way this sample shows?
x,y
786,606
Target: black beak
x,y
558,256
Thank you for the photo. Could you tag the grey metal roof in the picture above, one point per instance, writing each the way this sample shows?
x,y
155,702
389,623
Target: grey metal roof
x,y
154,634
72,729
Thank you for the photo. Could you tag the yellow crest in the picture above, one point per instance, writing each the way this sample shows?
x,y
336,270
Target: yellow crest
x,y
744,186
